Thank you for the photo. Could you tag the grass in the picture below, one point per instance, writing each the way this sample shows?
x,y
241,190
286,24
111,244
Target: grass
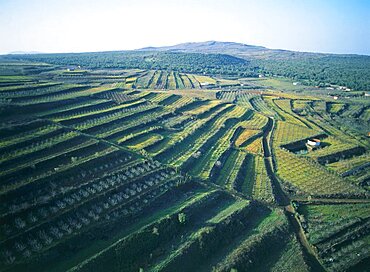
x,y
99,111
329,219
92,252
245,136
336,231
348,164
5,79
205,80
335,108
310,178
262,188
230,167
252,243
196,237
238,205
287,132
255,147
144,142
234,164
248,174
279,84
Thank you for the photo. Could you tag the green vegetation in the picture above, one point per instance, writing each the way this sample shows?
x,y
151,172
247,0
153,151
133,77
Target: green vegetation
x,y
169,161
321,69
181,62
337,231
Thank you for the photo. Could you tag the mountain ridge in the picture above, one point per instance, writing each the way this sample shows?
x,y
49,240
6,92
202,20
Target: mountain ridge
x,y
238,49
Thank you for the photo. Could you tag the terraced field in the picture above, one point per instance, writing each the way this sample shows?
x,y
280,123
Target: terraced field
x,y
340,233
133,172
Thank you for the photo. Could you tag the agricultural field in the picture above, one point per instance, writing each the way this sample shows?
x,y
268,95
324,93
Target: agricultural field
x,y
339,233
168,169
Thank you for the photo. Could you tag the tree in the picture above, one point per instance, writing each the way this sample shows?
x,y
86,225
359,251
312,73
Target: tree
x,y
182,218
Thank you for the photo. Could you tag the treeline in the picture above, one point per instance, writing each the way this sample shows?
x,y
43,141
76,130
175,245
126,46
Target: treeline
x,y
352,71
175,61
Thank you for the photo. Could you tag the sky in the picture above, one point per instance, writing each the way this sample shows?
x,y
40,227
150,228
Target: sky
x,y
329,26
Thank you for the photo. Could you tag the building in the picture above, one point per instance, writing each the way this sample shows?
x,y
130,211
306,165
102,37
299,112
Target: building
x,y
313,142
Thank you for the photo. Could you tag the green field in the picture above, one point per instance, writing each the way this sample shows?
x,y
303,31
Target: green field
x,y
171,168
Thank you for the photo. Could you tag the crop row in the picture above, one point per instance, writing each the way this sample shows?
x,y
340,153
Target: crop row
x,y
210,134
27,94
44,189
312,178
127,129
20,222
108,207
21,134
14,151
340,233
262,189
260,106
286,106
287,132
221,146
66,94
254,231
94,124
186,134
241,97
166,80
28,87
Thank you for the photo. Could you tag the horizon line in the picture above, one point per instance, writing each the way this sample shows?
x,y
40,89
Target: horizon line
x,y
35,52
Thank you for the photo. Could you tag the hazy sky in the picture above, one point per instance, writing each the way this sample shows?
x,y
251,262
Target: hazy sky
x,y
337,26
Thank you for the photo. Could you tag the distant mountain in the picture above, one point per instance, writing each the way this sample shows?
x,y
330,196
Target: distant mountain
x,y
226,58
210,47
233,48
350,70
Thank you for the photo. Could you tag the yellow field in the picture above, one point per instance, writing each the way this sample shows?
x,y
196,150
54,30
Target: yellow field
x,y
245,135
204,80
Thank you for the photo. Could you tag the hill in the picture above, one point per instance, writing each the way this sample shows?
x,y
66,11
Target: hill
x,y
312,68
227,58
233,48
104,167
214,47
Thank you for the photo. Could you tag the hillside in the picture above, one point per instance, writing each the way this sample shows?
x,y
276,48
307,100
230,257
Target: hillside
x,y
185,136
233,48
226,58
163,60
312,68
129,163
214,47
